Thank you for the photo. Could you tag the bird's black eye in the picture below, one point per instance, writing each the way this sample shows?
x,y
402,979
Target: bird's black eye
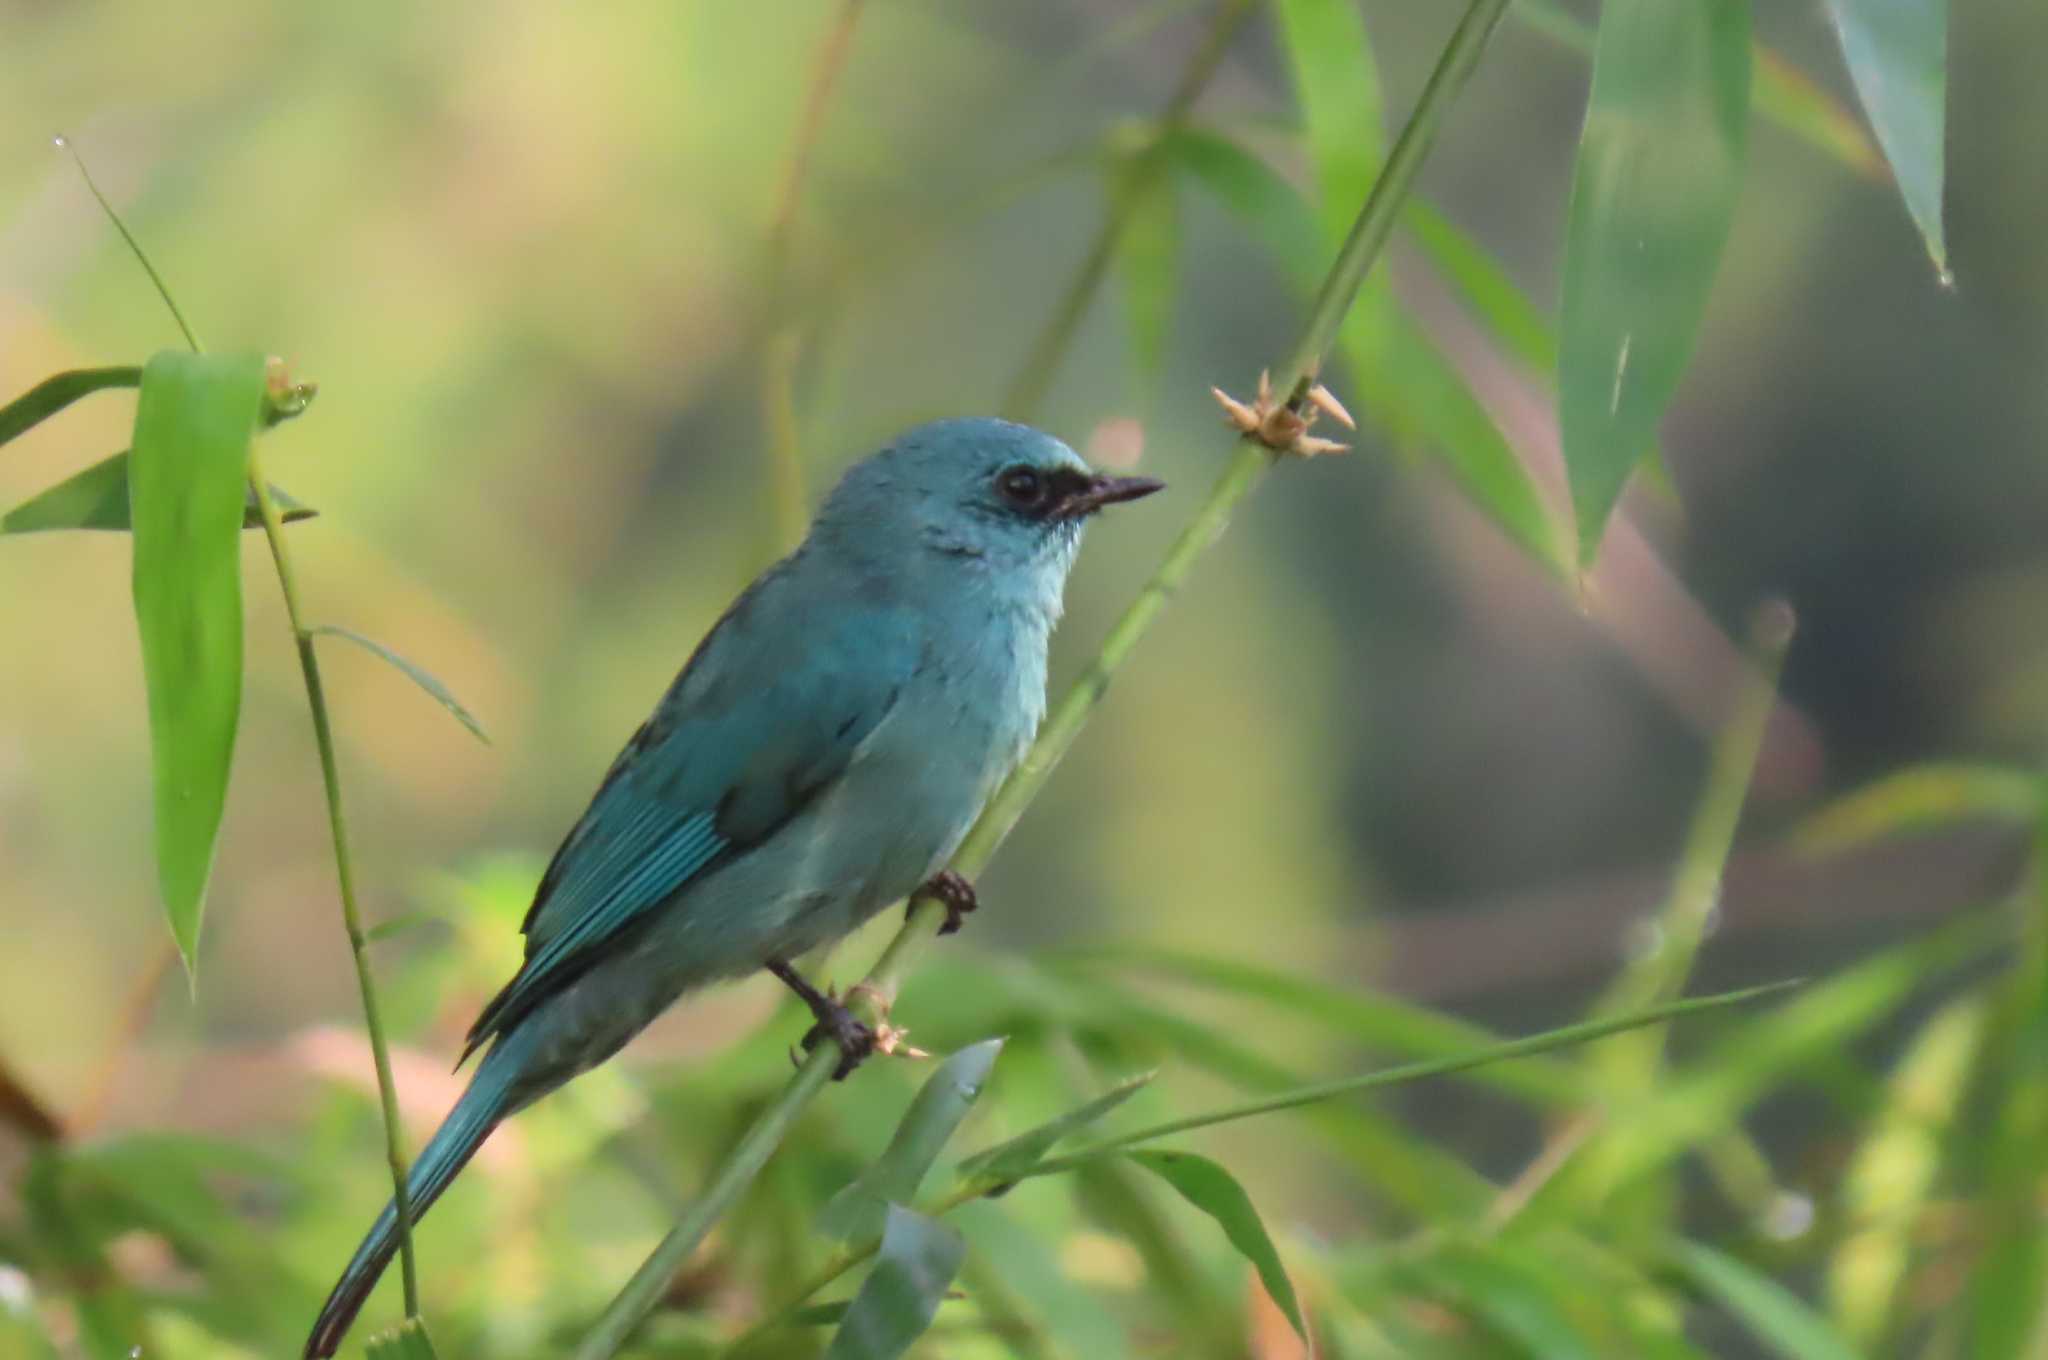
x,y
1022,486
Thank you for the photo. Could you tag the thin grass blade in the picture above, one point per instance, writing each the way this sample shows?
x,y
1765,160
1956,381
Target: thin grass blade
x,y
412,671
54,393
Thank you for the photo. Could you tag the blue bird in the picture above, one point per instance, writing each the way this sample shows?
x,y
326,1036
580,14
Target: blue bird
x,y
820,756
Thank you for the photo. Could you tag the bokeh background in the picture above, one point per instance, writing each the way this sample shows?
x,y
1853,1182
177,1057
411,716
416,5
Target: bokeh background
x,y
522,249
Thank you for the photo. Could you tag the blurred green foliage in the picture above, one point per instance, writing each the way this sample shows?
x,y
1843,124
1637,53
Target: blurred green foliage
x,y
1389,779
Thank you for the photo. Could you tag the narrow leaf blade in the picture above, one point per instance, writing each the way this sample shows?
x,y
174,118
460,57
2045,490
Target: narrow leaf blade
x,y
1919,798
1897,52
859,1210
414,672
1772,1312
1206,1185
1013,1156
186,479
97,498
896,1303
54,393
1653,195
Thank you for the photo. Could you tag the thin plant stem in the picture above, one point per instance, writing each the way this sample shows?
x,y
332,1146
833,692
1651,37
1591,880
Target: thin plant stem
x,y
784,344
63,144
135,1010
878,991
974,1187
1051,347
344,872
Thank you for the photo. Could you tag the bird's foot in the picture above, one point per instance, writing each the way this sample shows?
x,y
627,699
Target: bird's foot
x,y
954,893
856,1041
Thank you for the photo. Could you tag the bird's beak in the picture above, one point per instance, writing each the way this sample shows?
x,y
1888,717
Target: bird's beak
x,y
1100,491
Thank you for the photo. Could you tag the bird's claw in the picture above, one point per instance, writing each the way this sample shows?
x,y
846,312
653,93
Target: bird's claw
x,y
856,1041
955,894
1279,426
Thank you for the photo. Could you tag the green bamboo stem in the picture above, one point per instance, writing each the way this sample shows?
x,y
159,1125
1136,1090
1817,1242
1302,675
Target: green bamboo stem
x,y
344,872
878,991
1043,362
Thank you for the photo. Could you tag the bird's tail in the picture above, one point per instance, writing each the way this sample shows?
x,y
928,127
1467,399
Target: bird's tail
x,y
488,1100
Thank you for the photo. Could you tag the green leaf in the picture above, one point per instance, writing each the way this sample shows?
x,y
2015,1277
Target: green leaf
x,y
1074,1316
1520,326
1251,191
1653,194
1206,1185
97,498
820,1314
407,1341
414,672
1774,1313
1363,1016
1512,1292
1337,85
186,492
1885,1191
901,1294
53,394
1782,93
1897,52
1318,1092
857,1211
1013,1156
1919,798
1148,253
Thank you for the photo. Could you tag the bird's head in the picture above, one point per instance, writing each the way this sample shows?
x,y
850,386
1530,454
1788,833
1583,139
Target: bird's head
x,y
987,492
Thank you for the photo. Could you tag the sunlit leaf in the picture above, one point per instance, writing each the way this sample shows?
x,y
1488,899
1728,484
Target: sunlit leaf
x,y
896,1303
414,672
1773,1313
53,394
1012,1156
948,1094
186,479
1897,52
1653,194
1210,1188
1919,798
97,498
1510,1292
1885,1191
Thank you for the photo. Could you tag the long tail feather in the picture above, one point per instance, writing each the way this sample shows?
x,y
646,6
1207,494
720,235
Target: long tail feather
x,y
485,1103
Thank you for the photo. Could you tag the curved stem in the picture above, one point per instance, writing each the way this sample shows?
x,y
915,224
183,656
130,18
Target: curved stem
x,y
1360,249
344,872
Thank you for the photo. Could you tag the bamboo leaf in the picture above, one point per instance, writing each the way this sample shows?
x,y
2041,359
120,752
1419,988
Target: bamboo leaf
x,y
414,672
1269,208
1919,798
97,498
1782,92
54,393
1511,1292
1774,1313
1210,1188
897,1301
1653,194
1897,52
186,479
1889,1179
1013,1156
858,1211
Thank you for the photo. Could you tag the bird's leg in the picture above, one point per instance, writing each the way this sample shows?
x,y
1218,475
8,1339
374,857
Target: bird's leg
x,y
835,1022
955,893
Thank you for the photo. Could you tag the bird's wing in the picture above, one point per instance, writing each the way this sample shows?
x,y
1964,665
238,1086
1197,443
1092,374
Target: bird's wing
x,y
767,714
